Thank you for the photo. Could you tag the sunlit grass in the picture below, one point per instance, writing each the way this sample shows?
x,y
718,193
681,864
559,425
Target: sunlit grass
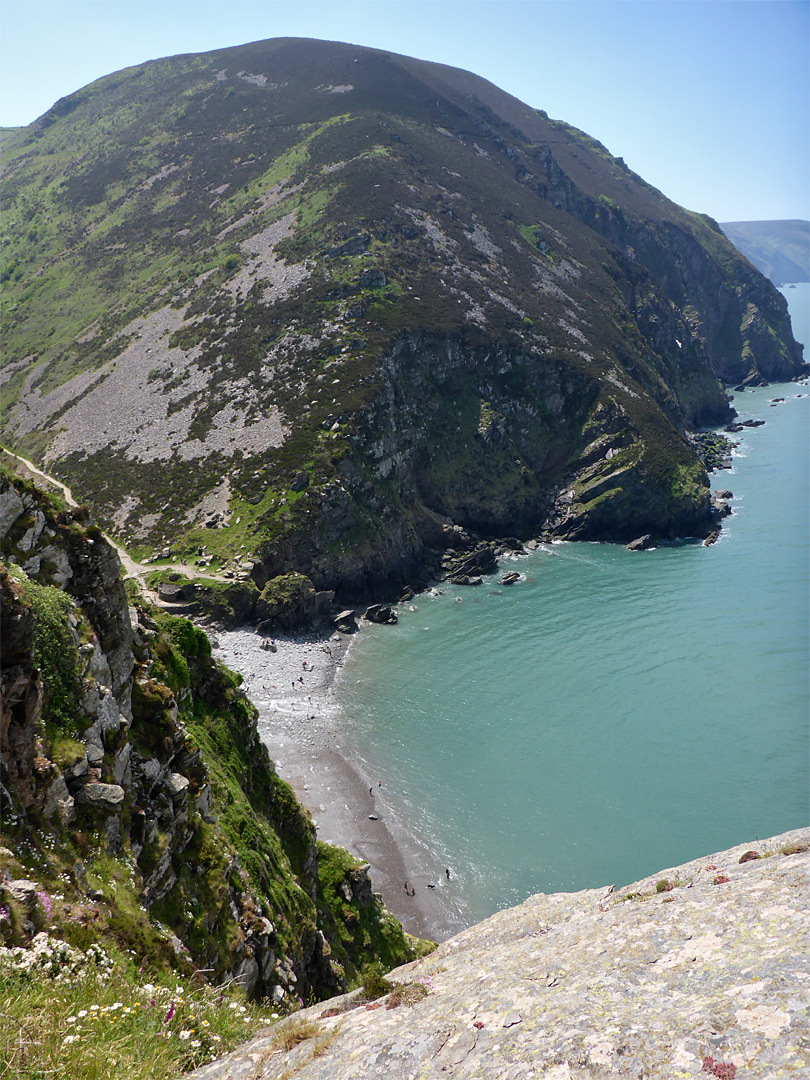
x,y
88,1026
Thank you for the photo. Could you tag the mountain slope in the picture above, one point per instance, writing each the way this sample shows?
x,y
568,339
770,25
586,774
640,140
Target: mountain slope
x,y
779,249
251,293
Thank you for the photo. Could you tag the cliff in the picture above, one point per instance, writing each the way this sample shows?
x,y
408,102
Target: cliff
x,y
312,305
699,970
778,249
134,786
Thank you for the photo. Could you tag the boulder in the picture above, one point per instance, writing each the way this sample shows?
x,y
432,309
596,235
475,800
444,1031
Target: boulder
x,y
173,593
510,579
105,798
176,785
465,579
11,507
723,493
372,279
24,893
346,622
481,561
641,543
381,613
290,602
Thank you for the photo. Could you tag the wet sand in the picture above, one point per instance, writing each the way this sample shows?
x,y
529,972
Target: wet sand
x,y
293,688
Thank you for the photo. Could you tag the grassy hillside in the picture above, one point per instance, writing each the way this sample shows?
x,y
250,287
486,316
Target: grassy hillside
x,y
247,294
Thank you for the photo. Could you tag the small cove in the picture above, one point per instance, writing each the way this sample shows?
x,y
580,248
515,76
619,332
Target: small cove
x,y
613,713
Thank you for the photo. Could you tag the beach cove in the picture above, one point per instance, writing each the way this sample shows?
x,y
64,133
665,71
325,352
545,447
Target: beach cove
x,y
609,713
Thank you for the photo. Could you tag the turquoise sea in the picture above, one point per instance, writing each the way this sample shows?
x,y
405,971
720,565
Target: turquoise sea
x,y
614,713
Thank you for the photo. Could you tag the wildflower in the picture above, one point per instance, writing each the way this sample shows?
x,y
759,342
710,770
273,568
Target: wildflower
x,y
185,1035
69,1039
170,1013
94,1008
71,1019
233,1005
82,1012
215,1038
194,1042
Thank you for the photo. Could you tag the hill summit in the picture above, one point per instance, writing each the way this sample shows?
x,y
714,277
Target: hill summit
x,y
319,304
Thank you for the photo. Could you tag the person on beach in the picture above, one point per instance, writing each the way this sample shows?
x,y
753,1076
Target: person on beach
x,y
447,872
371,792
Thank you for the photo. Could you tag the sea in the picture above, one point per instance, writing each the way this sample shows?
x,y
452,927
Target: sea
x,y
613,713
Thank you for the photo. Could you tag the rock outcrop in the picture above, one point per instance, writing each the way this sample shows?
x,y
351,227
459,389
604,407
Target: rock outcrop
x,y
702,969
123,745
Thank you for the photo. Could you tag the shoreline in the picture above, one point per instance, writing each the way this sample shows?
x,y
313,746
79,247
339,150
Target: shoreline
x,y
294,689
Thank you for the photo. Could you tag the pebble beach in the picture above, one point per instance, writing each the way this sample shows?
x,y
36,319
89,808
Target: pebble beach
x,y
293,685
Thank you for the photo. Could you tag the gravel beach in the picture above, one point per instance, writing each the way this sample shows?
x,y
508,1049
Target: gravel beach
x,y
294,689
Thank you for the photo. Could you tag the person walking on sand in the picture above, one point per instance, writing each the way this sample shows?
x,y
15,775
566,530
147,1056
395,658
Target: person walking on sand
x,y
447,872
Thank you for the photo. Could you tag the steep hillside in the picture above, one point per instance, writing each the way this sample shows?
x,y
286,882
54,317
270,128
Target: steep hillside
x,y
136,795
313,303
779,249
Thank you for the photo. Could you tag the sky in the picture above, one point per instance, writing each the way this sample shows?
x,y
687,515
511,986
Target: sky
x,y
706,99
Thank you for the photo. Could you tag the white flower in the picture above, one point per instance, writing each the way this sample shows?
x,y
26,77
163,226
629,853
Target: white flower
x,y
194,1042
71,1019
185,1035
215,1038
94,1008
69,1039
82,1012
233,1005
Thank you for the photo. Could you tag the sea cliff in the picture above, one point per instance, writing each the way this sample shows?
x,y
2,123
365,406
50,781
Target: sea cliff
x,y
135,784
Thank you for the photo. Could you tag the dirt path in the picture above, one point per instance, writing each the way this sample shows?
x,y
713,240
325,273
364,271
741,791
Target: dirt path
x,y
132,568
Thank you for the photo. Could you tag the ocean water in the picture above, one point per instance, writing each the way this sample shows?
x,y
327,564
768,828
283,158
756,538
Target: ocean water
x,y
615,712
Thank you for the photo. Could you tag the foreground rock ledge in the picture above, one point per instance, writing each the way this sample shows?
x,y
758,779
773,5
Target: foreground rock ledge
x,y
600,983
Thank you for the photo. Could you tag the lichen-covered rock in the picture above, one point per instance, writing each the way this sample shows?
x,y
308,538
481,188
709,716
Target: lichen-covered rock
x,y
714,971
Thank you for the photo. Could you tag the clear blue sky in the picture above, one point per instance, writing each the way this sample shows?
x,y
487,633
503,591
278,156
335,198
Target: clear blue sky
x,y
707,100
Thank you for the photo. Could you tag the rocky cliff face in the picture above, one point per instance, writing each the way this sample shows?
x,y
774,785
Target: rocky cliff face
x,y
701,970
133,782
315,303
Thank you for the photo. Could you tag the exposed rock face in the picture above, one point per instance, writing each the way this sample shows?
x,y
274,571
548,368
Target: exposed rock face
x,y
700,969
369,315
120,737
